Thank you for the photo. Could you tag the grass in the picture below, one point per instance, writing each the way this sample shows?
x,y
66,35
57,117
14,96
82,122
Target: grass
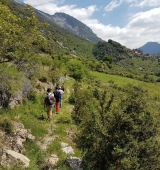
x,y
153,88
32,115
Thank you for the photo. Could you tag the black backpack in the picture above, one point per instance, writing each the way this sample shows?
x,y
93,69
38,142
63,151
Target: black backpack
x,y
57,95
49,100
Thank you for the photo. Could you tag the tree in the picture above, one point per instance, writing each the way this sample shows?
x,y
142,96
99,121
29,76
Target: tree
x,y
77,70
19,35
118,132
108,60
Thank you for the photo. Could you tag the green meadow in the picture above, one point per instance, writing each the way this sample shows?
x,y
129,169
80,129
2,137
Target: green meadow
x,y
152,88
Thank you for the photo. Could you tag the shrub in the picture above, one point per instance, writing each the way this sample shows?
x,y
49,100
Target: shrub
x,y
32,96
43,79
71,99
6,125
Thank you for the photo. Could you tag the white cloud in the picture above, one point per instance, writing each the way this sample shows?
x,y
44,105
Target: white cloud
x,y
143,27
112,5
116,3
150,3
42,2
149,19
51,7
138,3
35,2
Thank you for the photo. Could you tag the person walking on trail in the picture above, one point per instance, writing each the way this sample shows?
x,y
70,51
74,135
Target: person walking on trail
x,y
57,99
61,94
62,87
48,103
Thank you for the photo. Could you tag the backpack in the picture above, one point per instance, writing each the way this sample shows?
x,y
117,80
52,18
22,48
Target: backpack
x,y
49,100
57,95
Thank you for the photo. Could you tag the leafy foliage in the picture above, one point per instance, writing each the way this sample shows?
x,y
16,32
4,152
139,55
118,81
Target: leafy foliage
x,y
116,129
120,130
77,69
112,49
6,125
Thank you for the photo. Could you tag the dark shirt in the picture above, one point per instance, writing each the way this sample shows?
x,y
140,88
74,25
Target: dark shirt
x,y
57,95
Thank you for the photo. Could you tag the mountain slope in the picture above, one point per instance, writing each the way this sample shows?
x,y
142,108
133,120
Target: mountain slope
x,y
67,22
75,26
60,41
151,48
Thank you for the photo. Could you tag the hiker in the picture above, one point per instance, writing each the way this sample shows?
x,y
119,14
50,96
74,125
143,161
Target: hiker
x,y
48,103
61,94
57,86
57,99
62,87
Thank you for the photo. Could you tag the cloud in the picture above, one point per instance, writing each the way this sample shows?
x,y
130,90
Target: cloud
x,y
35,2
42,2
116,3
138,3
149,3
148,20
112,5
51,7
142,27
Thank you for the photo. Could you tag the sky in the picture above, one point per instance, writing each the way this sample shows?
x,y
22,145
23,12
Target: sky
x,y
132,23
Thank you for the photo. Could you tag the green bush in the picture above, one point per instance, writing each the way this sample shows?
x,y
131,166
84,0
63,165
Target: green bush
x,y
32,96
6,125
43,79
71,99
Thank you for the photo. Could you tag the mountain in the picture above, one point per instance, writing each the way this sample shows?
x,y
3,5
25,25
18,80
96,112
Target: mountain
x,y
151,48
70,24
60,41
75,26
67,22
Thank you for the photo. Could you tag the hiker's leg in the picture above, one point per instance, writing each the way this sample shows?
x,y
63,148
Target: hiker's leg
x,y
49,112
57,107
61,103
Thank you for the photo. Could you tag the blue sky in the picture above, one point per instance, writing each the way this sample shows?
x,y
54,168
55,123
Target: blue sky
x,y
129,22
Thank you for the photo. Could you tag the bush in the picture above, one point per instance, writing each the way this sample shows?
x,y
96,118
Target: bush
x,y
32,96
71,99
43,79
6,125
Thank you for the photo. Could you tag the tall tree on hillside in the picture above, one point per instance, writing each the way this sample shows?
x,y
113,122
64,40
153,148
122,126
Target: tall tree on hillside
x,y
117,132
18,36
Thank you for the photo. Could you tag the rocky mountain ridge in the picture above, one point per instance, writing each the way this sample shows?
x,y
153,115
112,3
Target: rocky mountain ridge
x,y
67,22
75,26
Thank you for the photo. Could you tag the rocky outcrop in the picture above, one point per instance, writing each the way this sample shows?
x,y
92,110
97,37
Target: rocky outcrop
x,y
21,94
66,148
8,98
11,150
10,158
74,163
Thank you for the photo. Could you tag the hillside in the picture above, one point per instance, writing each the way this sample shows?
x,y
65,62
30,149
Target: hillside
x,y
67,22
60,41
75,26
